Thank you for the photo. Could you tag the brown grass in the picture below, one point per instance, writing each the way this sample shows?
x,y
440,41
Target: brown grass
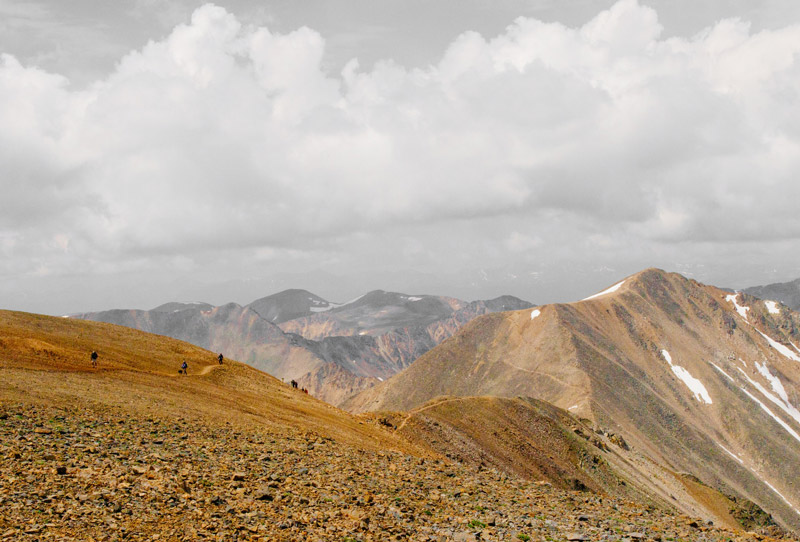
x,y
46,360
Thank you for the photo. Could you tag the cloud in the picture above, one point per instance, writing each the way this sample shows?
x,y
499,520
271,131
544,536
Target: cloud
x,y
224,136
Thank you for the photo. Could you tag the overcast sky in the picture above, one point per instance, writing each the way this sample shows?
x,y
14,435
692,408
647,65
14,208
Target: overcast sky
x,y
157,150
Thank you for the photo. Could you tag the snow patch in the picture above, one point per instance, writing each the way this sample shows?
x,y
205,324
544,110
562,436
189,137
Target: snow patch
x,y
379,378
772,307
778,493
573,407
782,400
780,348
695,385
321,309
604,292
535,313
766,409
717,367
414,298
733,298
730,453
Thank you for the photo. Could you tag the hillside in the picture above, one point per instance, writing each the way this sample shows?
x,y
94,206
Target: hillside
x,y
130,450
45,360
333,350
537,441
695,378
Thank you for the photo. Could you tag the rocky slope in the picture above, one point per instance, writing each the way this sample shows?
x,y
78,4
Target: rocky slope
x,y
697,379
130,450
535,440
787,293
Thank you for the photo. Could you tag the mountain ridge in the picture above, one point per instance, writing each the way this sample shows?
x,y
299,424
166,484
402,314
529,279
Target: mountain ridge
x,y
640,358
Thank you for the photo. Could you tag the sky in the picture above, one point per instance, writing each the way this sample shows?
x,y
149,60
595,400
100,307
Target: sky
x,y
159,150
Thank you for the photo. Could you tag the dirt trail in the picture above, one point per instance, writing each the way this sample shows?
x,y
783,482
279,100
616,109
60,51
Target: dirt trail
x,y
202,372
207,369
424,408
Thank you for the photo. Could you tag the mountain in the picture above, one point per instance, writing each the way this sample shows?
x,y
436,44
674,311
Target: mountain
x,y
177,307
694,378
787,293
288,305
332,350
130,449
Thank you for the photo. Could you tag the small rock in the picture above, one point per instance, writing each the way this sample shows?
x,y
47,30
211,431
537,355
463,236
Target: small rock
x,y
576,537
61,469
263,495
239,476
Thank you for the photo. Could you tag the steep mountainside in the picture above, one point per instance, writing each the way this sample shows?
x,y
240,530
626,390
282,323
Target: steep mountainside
x,y
362,348
787,293
695,378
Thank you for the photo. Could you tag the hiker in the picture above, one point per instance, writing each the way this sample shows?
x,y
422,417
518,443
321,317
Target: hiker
x,y
184,366
294,384
94,358
220,359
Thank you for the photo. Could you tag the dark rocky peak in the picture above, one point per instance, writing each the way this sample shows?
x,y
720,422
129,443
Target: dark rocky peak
x,y
176,306
289,304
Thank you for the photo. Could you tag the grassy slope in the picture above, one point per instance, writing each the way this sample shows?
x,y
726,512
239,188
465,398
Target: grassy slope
x,y
45,360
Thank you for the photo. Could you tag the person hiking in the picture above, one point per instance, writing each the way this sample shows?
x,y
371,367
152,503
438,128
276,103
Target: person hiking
x,y
220,359
184,366
94,358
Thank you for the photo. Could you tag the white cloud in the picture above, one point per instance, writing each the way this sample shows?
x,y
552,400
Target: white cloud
x,y
225,136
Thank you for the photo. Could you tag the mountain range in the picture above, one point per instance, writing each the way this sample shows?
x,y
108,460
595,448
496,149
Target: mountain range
x,y
333,350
